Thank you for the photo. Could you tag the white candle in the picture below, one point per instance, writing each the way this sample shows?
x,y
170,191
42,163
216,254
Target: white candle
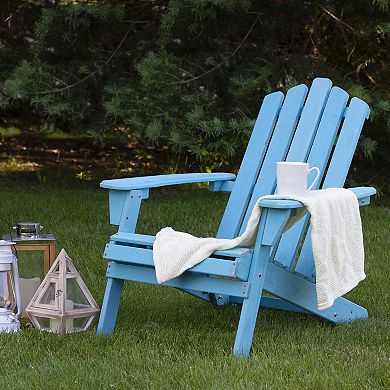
x,y
55,323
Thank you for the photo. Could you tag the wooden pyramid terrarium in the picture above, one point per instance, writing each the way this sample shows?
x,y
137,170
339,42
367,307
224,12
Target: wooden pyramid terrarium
x,y
62,303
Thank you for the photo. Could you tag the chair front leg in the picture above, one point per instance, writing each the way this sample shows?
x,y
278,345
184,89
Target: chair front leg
x,y
110,306
271,225
250,305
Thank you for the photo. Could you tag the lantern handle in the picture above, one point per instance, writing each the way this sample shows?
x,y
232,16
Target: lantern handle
x,y
17,287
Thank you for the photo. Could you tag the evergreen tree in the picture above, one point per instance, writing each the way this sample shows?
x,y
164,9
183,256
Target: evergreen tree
x,y
189,75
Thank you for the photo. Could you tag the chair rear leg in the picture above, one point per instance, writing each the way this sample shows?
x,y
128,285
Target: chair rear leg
x,y
110,306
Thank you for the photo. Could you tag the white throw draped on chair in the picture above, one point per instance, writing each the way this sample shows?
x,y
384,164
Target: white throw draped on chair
x,y
337,243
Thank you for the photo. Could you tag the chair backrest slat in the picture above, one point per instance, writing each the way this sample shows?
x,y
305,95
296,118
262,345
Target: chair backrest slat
x,y
308,124
250,166
357,112
277,137
318,156
299,146
278,147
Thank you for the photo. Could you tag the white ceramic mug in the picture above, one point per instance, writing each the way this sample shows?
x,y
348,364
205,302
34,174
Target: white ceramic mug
x,y
291,177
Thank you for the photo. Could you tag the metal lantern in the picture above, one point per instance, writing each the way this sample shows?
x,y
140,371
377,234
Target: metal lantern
x,y
62,303
10,297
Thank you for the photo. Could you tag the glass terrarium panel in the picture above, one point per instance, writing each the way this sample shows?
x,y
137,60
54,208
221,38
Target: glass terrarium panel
x,y
80,323
76,295
43,322
54,324
49,295
30,264
56,270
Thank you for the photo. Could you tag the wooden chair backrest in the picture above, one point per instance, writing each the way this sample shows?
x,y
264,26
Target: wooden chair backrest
x,y
314,126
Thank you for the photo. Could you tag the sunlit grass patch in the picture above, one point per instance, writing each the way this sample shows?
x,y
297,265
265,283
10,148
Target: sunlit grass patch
x,y
17,164
52,132
10,131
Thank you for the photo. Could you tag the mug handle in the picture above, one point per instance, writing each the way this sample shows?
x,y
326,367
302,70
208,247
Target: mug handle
x,y
315,180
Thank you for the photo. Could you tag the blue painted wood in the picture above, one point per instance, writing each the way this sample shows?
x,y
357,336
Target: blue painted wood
x,y
277,150
225,186
303,137
187,281
294,288
318,157
250,166
280,304
276,221
360,192
204,296
130,211
237,268
272,221
272,303
310,118
110,306
146,240
358,112
215,186
269,143
138,183
250,305
117,200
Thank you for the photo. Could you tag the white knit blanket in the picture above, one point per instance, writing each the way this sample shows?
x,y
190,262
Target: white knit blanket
x,y
336,235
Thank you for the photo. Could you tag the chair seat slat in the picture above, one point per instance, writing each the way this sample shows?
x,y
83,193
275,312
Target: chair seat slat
x,y
236,268
186,281
147,240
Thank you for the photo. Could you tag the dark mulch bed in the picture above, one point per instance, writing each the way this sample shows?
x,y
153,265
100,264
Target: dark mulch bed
x,y
32,158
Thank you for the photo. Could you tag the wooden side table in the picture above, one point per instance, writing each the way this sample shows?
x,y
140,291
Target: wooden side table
x,y
45,243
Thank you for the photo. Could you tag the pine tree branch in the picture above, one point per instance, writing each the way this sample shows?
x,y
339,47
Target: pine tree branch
x,y
109,59
333,16
190,80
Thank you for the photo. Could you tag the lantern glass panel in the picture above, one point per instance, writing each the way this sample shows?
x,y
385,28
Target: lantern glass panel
x,y
76,295
7,292
31,273
30,264
48,297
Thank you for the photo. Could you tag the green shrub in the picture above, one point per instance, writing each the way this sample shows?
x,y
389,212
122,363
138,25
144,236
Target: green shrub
x,y
188,76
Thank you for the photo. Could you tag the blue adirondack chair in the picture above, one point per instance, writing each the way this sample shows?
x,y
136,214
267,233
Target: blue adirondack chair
x,y
316,126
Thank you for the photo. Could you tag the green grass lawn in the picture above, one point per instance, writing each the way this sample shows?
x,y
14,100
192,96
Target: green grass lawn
x,y
166,339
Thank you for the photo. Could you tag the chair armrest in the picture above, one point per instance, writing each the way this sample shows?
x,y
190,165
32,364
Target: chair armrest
x,y
125,193
145,182
362,193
